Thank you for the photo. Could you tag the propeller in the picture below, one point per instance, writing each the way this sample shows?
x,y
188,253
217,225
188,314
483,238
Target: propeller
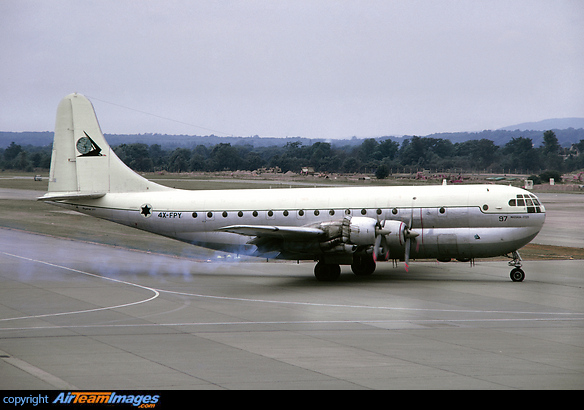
x,y
403,233
380,248
409,235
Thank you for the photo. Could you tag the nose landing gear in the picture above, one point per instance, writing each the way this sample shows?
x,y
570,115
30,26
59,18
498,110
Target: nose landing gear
x,y
517,274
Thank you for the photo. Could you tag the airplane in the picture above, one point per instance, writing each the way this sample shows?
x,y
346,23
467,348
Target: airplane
x,y
334,226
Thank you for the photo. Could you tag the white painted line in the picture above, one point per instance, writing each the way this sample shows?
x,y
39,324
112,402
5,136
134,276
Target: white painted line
x,y
156,293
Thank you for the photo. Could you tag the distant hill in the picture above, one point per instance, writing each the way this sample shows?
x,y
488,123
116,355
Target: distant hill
x,y
566,137
44,138
567,130
36,139
551,124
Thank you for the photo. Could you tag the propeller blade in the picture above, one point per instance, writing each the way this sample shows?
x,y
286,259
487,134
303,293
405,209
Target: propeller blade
x,y
415,235
407,255
376,247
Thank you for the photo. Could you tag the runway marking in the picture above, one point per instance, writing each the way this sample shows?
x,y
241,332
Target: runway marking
x,y
363,306
156,293
297,322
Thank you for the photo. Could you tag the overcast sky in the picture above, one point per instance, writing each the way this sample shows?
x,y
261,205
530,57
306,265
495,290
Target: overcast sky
x,y
317,69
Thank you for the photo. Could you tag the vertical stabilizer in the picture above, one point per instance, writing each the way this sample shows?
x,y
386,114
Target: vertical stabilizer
x,y
82,161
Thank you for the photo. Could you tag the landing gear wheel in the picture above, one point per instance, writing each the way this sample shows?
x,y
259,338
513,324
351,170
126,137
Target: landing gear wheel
x,y
517,275
327,273
363,265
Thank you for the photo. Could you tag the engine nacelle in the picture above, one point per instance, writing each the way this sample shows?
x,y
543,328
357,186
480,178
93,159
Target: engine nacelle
x,y
396,236
359,230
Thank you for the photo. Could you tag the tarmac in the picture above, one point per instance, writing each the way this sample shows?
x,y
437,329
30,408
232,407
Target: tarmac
x,y
78,315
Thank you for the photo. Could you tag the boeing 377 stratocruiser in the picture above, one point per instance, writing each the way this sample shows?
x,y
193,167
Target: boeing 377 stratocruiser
x,y
357,226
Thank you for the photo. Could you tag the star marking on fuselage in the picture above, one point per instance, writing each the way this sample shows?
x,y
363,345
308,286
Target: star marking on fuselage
x,y
146,211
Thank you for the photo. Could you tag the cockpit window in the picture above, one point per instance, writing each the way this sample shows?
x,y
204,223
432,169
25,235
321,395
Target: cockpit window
x,y
528,200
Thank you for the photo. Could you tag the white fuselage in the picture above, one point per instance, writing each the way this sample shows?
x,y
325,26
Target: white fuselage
x,y
463,222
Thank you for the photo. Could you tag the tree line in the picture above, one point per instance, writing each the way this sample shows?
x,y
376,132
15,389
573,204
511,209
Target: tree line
x,y
371,156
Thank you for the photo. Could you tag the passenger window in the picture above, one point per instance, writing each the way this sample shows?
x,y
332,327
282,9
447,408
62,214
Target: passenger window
x,y
512,202
520,202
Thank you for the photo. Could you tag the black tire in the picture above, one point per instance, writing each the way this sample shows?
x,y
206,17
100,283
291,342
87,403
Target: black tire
x,y
517,275
363,265
327,273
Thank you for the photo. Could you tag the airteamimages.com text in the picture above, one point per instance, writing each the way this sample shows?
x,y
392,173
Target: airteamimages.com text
x,y
79,398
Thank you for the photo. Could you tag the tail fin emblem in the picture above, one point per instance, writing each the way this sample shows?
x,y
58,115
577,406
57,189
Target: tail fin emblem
x,y
87,147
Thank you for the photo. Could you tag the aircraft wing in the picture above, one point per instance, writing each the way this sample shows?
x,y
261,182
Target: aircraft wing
x,y
268,231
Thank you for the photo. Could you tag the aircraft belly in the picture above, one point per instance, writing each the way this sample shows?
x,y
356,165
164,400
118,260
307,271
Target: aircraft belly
x,y
466,243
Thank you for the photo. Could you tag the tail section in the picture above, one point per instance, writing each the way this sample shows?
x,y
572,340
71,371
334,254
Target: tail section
x,y
82,162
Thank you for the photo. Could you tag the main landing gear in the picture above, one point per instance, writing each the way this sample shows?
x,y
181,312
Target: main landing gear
x,y
361,266
365,265
517,274
327,272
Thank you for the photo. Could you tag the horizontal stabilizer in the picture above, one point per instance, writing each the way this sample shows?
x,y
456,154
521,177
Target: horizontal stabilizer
x,y
62,196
